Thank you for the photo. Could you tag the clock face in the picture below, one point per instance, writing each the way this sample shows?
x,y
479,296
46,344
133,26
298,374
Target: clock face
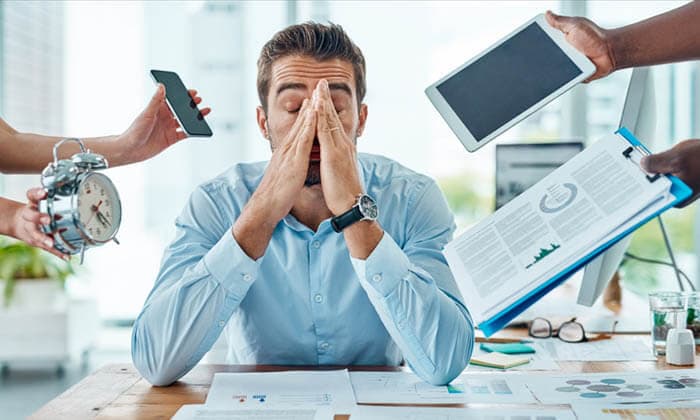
x,y
99,208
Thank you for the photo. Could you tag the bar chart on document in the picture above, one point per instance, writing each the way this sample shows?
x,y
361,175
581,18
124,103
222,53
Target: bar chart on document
x,y
281,389
407,388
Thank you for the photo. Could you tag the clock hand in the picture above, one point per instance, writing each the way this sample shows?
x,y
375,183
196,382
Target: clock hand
x,y
102,219
95,209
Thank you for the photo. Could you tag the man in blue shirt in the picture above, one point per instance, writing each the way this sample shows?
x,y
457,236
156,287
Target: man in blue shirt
x,y
320,256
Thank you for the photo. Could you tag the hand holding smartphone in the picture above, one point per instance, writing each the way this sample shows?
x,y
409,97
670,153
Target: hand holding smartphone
x,y
181,104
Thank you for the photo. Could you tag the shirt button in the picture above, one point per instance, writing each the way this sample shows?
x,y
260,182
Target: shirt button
x,y
247,277
221,324
318,298
316,244
324,346
377,278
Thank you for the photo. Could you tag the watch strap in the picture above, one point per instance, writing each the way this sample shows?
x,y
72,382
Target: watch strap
x,y
346,219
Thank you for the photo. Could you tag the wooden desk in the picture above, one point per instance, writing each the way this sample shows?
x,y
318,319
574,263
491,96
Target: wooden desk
x,y
118,391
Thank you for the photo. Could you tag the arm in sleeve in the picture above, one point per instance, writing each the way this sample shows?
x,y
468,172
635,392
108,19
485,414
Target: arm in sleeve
x,y
415,294
204,275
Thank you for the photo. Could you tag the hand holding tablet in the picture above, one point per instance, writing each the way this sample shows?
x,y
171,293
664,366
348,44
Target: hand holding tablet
x,y
509,81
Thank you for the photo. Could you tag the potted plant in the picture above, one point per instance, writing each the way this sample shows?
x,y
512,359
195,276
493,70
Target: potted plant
x,y
30,277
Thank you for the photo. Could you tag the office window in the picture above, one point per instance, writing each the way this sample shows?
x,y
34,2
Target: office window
x,y
31,75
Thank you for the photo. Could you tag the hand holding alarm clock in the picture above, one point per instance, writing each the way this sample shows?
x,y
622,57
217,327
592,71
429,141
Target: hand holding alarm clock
x,y
83,205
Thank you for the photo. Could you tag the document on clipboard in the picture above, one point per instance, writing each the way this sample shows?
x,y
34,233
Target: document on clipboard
x,y
509,260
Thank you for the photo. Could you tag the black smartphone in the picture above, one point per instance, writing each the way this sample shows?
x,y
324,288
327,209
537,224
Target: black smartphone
x,y
183,106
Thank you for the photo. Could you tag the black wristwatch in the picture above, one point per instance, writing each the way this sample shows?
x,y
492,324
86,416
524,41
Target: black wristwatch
x,y
364,209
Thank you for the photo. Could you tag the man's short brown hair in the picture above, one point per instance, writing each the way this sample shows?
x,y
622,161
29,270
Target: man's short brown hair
x,y
321,42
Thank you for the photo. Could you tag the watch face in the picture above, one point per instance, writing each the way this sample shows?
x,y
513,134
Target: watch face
x,y
368,207
99,208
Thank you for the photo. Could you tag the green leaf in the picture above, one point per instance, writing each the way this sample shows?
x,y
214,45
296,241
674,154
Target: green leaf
x,y
18,261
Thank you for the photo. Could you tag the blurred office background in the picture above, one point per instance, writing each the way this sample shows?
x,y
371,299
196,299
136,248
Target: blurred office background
x,y
81,69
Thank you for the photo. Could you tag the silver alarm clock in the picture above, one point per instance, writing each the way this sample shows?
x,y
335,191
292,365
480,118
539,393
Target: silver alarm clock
x,y
83,205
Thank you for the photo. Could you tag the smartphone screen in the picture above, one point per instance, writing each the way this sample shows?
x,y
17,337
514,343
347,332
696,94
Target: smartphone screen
x,y
181,104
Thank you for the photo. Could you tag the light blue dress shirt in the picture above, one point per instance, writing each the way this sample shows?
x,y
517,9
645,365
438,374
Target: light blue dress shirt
x,y
306,301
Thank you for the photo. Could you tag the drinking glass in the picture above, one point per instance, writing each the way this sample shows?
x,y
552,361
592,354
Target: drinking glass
x,y
668,310
693,318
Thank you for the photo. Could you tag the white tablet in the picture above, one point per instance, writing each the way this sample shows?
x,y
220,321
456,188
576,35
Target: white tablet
x,y
509,81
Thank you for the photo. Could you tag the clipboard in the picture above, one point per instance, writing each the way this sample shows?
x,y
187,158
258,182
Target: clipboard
x,y
679,189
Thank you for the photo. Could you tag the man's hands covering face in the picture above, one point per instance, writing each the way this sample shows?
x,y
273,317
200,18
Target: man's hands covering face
x,y
285,176
339,178
286,173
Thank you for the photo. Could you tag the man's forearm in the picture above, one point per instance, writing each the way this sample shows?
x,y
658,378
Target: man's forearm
x,y
254,227
434,332
669,37
362,237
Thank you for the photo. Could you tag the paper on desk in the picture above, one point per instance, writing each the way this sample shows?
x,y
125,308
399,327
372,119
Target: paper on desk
x,y
665,410
407,388
619,348
292,389
616,387
202,412
422,413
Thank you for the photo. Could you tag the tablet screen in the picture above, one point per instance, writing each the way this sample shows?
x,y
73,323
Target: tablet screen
x,y
508,80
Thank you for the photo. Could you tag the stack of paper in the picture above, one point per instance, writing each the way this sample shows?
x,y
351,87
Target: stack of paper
x,y
498,360
292,395
512,258
419,413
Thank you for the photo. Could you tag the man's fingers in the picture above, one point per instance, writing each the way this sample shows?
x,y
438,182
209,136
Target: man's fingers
x,y
296,127
308,129
205,111
322,123
563,23
662,163
192,92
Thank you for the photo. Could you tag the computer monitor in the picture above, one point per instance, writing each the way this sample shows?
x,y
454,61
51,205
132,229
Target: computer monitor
x,y
520,166
639,116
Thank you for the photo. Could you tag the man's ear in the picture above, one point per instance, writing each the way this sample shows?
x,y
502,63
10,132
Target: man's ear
x,y
262,122
363,120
